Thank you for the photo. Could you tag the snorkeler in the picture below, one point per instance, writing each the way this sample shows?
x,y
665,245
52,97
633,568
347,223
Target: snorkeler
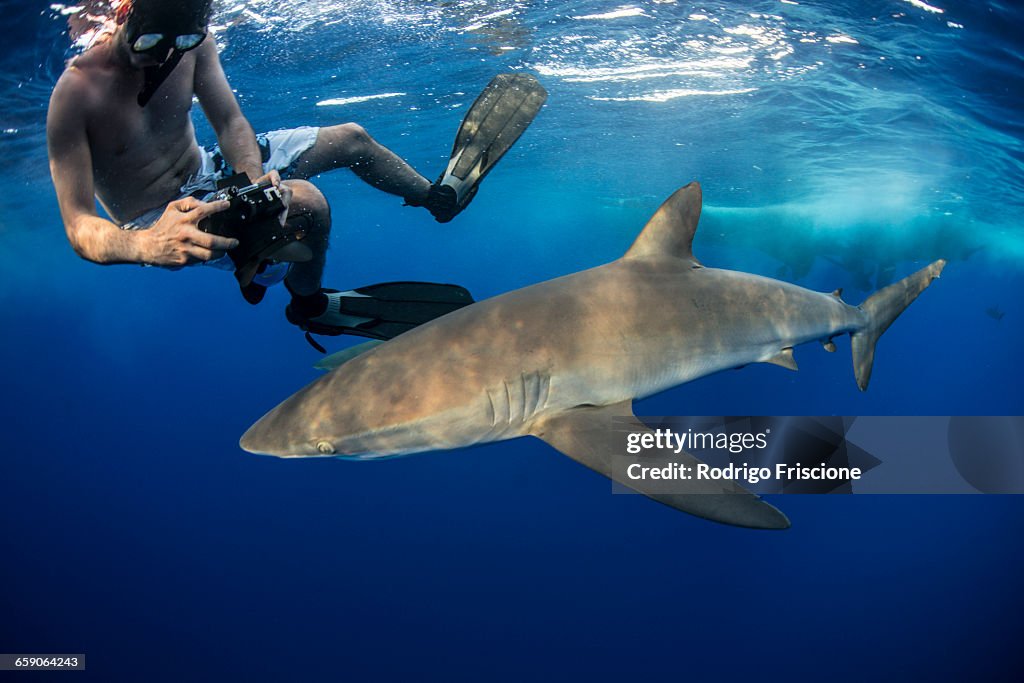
x,y
119,130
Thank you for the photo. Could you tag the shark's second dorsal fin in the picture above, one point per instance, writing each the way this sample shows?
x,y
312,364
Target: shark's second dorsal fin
x,y
670,230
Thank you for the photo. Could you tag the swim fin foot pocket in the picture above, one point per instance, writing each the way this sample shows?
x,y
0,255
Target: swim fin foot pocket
x,y
253,218
498,117
442,202
381,311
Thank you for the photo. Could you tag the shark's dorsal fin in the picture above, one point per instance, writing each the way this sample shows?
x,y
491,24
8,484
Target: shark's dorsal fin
x,y
670,230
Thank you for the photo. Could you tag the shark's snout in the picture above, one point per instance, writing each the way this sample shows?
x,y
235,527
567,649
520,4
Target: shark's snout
x,y
294,428
274,435
251,441
258,439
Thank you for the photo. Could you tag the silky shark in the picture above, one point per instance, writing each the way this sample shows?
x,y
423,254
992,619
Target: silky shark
x,y
563,360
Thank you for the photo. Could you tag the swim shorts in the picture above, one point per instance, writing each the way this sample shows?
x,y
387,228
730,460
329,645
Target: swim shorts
x,y
279,150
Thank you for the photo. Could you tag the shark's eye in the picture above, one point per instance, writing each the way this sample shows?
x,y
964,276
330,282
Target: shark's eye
x,y
325,447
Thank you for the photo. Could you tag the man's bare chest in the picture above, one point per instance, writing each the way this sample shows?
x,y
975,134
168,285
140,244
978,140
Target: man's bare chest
x,y
119,129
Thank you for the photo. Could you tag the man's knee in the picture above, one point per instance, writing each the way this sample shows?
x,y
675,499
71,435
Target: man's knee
x,y
308,204
349,139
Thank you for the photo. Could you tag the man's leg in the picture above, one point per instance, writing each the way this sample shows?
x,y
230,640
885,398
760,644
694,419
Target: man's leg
x,y
327,311
313,307
348,145
309,211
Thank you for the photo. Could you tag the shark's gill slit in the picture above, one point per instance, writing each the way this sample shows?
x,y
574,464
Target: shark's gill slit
x,y
530,382
508,400
494,411
545,391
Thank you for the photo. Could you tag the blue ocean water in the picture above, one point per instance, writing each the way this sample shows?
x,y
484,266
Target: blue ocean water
x,y
838,145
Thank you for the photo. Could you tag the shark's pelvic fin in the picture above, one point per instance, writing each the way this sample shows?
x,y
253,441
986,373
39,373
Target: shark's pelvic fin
x,y
784,358
670,230
882,308
592,436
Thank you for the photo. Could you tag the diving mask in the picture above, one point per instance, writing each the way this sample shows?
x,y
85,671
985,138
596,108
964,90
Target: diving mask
x,y
161,44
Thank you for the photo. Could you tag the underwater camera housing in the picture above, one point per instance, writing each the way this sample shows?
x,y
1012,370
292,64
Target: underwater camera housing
x,y
253,217
247,204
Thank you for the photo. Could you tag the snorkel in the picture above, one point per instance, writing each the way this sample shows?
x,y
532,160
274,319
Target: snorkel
x,y
164,30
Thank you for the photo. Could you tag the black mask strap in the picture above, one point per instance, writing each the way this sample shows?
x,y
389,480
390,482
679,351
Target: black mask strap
x,y
156,75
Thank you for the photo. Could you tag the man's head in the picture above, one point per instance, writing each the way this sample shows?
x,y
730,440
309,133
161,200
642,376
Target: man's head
x,y
153,28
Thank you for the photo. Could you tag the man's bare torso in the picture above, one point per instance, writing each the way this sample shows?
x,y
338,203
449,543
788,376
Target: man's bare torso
x,y
140,156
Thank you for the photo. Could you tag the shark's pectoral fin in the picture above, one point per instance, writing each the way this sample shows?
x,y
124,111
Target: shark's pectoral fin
x,y
339,358
784,358
596,437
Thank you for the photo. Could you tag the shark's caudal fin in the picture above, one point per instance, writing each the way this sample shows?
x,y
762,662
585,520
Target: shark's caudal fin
x,y
881,309
670,230
594,436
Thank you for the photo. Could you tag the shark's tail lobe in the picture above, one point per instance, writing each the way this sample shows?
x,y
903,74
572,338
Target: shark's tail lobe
x,y
881,308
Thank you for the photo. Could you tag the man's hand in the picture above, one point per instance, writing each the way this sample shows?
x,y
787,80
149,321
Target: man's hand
x,y
176,240
274,178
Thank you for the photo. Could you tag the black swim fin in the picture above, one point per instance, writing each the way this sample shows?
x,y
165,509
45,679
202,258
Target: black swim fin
x,y
382,311
499,116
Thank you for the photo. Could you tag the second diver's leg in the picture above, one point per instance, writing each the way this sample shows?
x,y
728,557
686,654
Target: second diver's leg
x,y
348,145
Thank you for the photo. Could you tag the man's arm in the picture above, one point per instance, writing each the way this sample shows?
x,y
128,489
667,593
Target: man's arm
x,y
92,237
174,240
234,134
